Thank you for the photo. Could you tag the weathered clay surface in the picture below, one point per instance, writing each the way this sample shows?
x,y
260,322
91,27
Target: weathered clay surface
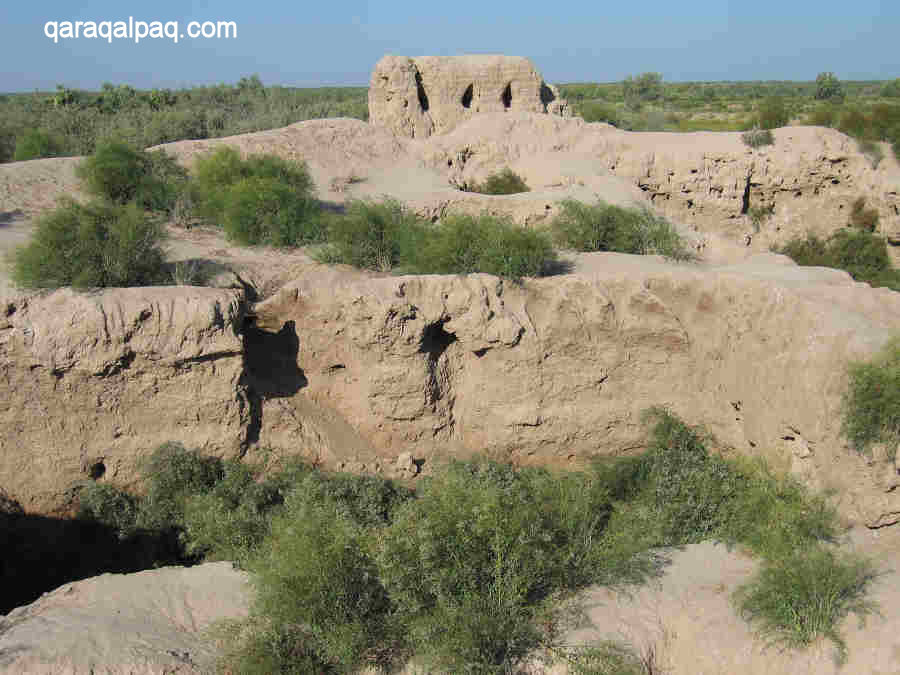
x,y
90,381
686,622
418,97
148,623
558,369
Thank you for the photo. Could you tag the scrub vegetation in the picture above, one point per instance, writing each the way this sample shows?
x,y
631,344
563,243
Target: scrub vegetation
x,y
476,568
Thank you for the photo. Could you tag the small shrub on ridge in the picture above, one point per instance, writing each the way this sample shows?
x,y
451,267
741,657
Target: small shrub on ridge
x,y
465,244
120,173
505,182
758,138
607,227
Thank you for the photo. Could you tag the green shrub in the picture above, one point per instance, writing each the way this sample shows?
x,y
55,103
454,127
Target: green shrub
x,y
120,173
804,595
861,217
892,89
828,87
374,236
606,227
465,244
267,211
862,254
263,199
871,410
757,138
772,113
469,562
110,506
853,122
231,519
505,182
315,577
174,474
90,245
36,143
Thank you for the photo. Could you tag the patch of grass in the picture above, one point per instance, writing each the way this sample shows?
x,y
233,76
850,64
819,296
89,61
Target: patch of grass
x,y
871,410
862,254
758,138
803,596
505,182
605,658
606,227
91,245
121,174
465,244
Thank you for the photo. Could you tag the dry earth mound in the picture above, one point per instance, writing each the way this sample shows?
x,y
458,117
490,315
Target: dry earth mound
x,y
148,623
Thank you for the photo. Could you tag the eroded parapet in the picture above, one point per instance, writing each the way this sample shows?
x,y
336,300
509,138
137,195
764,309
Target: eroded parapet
x,y
418,97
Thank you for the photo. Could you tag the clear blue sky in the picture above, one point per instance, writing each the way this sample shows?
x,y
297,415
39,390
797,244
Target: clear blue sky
x,y
303,43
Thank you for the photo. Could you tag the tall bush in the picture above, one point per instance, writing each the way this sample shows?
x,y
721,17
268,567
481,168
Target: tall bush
x,y
90,245
121,173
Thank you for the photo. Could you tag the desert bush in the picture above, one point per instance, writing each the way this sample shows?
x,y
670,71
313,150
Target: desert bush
x,y
314,575
267,211
263,199
860,253
110,506
871,406
469,562
36,143
861,217
772,113
120,173
173,475
376,236
505,182
828,87
465,244
598,111
228,516
758,138
607,227
804,595
91,245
